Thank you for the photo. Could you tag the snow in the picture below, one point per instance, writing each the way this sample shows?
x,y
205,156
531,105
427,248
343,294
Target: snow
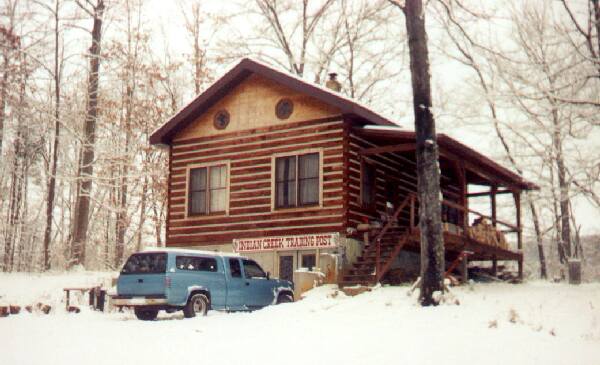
x,y
531,323
195,252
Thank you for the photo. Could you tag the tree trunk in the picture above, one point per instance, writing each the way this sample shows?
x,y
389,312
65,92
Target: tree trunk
x,y
140,233
51,184
3,95
430,224
122,210
15,215
82,205
596,5
563,193
538,236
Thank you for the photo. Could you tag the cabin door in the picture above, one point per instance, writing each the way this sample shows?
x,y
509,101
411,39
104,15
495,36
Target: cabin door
x,y
286,267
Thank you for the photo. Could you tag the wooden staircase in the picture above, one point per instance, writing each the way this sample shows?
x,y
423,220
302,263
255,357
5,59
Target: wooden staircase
x,y
378,256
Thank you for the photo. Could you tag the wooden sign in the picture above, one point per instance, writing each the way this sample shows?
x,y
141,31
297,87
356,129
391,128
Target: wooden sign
x,y
282,243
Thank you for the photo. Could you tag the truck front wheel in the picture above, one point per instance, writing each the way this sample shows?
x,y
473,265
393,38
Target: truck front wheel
x,y
145,314
198,304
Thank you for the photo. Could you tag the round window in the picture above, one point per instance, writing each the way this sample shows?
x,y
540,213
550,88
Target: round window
x,y
284,108
221,119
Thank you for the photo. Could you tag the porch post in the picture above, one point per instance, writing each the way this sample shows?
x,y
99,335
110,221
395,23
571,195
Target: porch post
x,y
464,201
517,197
464,270
494,190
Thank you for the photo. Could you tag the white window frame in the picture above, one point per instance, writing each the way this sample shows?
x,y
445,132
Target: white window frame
x,y
188,169
274,178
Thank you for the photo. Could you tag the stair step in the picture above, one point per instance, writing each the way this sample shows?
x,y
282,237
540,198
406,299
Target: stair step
x,y
343,284
361,277
373,258
365,271
373,254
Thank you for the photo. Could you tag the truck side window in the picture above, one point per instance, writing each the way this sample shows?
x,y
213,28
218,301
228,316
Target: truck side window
x,y
252,270
234,267
196,263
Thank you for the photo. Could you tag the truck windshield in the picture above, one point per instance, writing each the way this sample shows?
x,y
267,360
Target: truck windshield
x,y
146,263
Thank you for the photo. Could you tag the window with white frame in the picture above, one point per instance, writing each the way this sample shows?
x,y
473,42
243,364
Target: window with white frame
x,y
297,180
207,190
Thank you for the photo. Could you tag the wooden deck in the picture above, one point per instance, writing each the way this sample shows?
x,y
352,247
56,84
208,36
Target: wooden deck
x,y
455,243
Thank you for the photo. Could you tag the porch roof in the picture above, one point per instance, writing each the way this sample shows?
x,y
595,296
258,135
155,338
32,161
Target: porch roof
x,y
483,170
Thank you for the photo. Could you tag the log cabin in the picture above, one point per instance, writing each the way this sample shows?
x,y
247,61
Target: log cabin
x,y
296,175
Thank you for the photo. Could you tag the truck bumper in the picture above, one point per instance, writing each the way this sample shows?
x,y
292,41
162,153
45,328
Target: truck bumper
x,y
128,301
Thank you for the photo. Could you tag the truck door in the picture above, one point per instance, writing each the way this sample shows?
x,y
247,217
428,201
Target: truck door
x,y
198,271
258,290
237,284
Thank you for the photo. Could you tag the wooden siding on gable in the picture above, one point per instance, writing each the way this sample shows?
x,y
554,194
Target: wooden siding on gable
x,y
251,104
250,155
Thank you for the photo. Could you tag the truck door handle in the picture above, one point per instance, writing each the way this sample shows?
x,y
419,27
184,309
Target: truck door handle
x,y
247,283
140,280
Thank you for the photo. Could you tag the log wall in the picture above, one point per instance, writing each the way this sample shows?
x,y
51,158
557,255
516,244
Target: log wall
x,y
249,154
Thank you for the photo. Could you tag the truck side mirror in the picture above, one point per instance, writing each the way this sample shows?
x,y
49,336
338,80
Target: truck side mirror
x,y
268,275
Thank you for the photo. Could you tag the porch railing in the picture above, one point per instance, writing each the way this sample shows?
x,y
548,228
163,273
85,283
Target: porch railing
x,y
411,201
464,223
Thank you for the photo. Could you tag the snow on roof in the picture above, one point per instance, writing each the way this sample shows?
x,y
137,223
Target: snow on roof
x,y
190,251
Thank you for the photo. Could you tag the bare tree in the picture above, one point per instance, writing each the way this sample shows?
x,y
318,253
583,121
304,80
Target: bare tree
x,y
465,45
53,151
195,20
9,44
86,167
283,32
430,216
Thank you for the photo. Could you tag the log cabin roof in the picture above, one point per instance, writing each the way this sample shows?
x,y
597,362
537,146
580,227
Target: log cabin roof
x,y
387,131
240,72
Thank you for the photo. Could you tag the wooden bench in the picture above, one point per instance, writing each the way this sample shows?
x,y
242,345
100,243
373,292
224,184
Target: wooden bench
x,y
96,296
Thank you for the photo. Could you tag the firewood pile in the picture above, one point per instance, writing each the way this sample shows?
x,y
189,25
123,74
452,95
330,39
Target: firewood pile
x,y
6,310
486,233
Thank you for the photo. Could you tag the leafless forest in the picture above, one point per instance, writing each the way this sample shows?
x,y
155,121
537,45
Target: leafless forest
x,y
83,83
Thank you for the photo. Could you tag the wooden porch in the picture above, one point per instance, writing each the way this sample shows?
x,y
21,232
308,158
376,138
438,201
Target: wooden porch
x,y
484,237
382,246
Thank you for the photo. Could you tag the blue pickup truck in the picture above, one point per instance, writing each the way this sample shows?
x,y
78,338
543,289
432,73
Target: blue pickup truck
x,y
195,281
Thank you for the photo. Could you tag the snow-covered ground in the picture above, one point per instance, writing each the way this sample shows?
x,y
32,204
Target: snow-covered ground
x,y
532,323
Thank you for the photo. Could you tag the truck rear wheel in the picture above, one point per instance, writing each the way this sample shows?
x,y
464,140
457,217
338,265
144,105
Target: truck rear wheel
x,y
145,314
197,304
284,298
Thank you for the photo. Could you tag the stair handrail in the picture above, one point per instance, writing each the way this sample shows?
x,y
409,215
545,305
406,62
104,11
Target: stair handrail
x,y
385,229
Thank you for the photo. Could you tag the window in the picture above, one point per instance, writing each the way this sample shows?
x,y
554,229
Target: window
x,y
146,263
234,268
208,264
252,270
367,191
309,261
297,180
207,192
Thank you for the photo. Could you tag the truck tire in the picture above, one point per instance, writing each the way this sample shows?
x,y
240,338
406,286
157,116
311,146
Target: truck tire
x,y
197,304
285,298
145,314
